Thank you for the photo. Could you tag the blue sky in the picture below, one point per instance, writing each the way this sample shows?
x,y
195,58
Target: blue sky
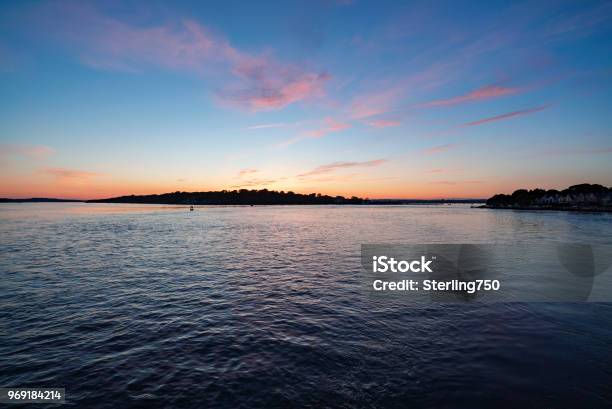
x,y
376,99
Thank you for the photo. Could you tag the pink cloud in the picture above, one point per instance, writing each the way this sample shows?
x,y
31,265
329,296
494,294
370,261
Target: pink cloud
x,y
450,182
103,42
331,167
329,125
443,182
268,126
507,116
256,82
63,173
29,151
487,92
581,22
273,87
394,93
375,103
383,123
432,74
361,110
255,182
440,148
245,172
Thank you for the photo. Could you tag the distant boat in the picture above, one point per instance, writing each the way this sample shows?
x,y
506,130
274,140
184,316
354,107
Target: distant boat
x,y
191,208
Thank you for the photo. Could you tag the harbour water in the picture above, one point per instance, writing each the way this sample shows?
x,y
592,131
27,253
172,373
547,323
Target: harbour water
x,y
158,306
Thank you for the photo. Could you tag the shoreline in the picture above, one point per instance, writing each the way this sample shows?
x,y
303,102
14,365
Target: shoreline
x,y
382,202
549,208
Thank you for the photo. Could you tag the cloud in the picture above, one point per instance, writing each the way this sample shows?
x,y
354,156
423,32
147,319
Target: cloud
x,y
375,103
450,182
29,151
328,125
63,173
270,86
394,94
267,126
430,72
487,92
256,81
331,167
244,172
507,116
443,182
440,148
581,22
438,50
383,123
254,182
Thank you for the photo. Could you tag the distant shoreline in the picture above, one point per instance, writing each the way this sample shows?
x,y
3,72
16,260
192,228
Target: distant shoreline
x,y
585,209
375,202
246,197
578,198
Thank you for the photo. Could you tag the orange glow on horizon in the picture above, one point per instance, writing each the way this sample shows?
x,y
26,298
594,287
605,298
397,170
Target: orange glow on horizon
x,y
65,184
86,191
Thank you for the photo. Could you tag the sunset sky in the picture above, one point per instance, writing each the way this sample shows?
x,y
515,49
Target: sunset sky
x,y
368,98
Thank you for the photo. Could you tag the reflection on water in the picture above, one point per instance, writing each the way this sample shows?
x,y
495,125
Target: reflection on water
x,y
49,210
157,306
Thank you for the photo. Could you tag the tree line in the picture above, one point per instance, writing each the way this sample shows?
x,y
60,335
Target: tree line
x,y
578,195
234,197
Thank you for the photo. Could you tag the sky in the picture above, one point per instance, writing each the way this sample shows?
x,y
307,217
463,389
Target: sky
x,y
374,99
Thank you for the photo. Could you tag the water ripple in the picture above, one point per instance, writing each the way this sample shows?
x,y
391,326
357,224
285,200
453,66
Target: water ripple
x,y
154,306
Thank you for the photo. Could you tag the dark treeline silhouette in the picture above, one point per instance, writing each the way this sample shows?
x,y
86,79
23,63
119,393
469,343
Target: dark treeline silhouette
x,y
234,197
578,197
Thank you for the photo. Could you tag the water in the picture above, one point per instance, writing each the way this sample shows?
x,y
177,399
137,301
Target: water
x,y
157,306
